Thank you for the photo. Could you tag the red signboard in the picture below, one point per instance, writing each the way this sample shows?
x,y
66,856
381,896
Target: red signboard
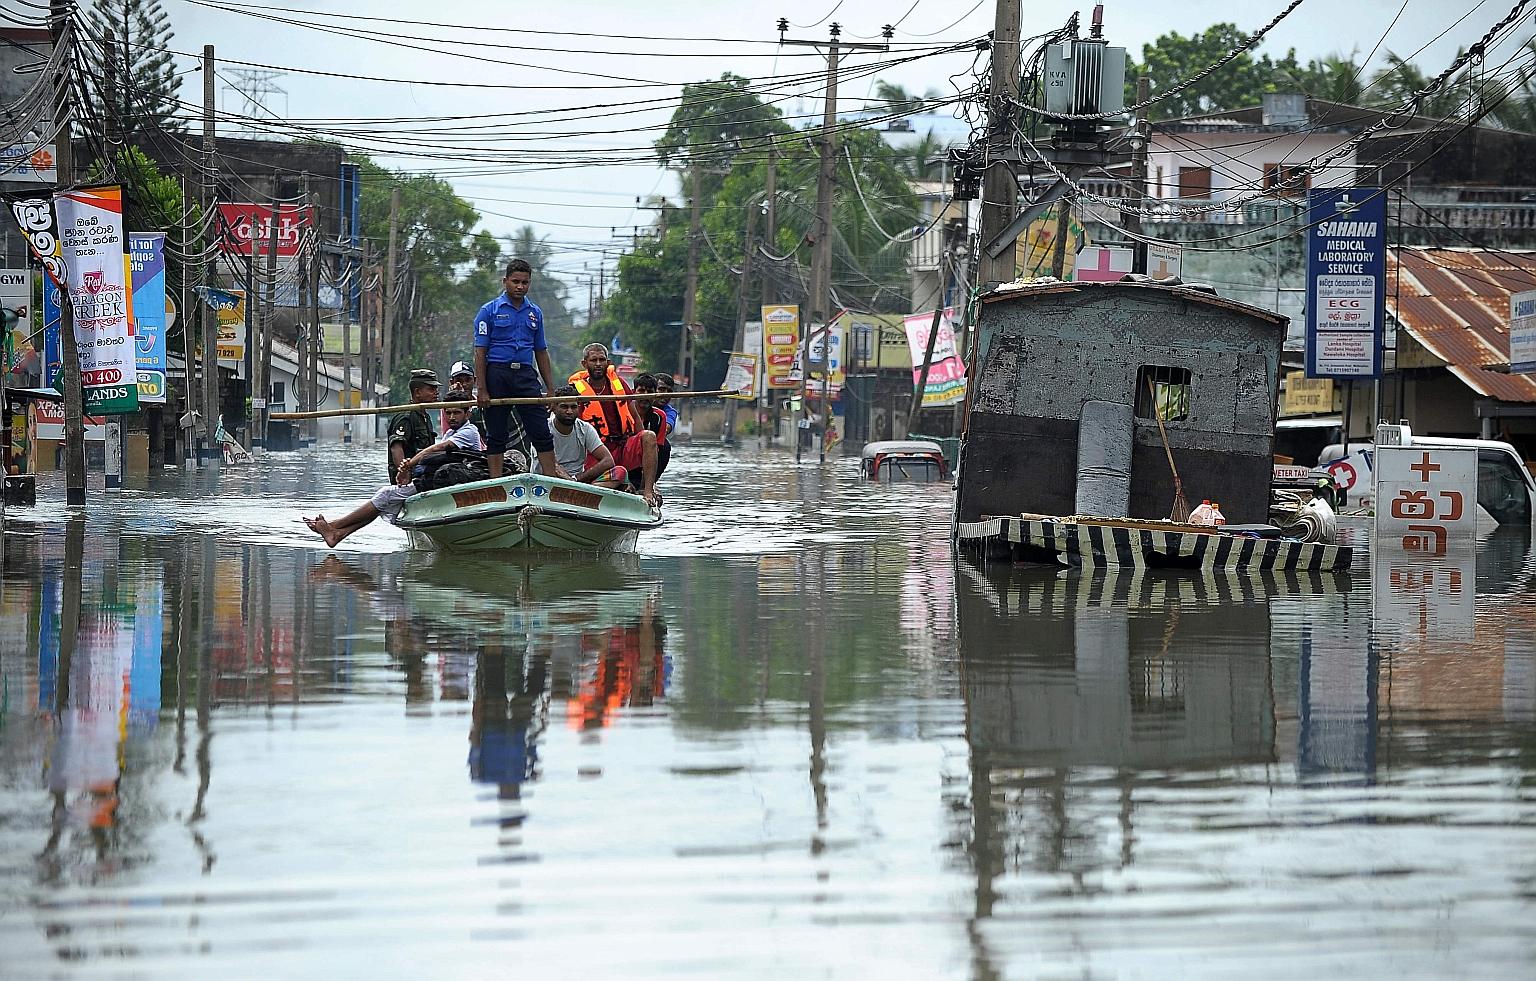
x,y
247,223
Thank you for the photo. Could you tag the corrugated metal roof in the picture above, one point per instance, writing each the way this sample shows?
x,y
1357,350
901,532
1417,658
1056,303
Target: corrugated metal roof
x,y
1455,302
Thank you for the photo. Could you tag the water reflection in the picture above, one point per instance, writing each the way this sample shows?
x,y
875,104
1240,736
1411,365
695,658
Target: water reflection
x,y
845,754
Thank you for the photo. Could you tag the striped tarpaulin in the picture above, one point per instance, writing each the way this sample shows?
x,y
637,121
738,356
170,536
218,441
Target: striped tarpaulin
x,y
1094,546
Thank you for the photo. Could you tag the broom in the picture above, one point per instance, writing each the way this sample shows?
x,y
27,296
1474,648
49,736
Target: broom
x,y
1180,511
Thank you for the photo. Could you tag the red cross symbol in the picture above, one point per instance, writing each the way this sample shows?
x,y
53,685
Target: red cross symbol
x,y
1424,468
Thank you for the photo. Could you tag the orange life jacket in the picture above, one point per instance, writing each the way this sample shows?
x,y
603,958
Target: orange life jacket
x,y
594,412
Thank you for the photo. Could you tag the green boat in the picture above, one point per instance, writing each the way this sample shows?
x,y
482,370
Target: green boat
x,y
526,511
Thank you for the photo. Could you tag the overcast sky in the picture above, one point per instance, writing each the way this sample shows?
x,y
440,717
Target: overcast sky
x,y
577,207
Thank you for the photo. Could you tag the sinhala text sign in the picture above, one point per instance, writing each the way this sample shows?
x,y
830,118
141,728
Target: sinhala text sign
x,y
1346,275
1426,499
91,228
1522,331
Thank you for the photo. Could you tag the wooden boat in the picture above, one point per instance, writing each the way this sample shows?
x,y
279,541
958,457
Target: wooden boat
x,y
526,511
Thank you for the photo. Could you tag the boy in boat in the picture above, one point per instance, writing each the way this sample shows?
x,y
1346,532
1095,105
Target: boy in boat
x,y
461,435
666,385
614,421
577,444
644,455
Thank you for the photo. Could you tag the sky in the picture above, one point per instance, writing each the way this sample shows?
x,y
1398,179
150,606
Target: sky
x,y
588,212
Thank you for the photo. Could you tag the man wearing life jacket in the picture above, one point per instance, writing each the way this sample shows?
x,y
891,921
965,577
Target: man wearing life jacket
x,y
614,421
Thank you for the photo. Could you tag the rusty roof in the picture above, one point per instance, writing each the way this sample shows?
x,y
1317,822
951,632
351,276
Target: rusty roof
x,y
1455,302
1041,287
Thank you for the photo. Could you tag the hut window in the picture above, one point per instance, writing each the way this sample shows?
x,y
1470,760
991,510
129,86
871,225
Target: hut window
x,y
1162,392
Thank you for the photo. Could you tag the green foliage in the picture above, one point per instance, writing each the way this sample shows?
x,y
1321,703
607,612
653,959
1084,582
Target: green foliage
x,y
715,120
869,271
1174,57
1335,78
140,34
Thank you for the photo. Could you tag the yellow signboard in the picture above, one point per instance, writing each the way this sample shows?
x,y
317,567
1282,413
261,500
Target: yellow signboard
x,y
1306,396
781,342
1037,246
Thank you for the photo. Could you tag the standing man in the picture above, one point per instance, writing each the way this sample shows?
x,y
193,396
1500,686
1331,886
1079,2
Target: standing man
x,y
614,421
509,338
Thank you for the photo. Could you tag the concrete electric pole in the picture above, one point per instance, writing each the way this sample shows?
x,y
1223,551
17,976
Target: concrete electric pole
x,y
999,191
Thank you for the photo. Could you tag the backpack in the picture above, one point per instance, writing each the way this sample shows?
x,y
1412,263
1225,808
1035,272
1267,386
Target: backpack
x,y
449,468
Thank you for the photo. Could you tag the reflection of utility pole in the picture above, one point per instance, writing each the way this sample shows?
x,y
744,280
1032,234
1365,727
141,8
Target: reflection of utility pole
x,y
820,300
999,191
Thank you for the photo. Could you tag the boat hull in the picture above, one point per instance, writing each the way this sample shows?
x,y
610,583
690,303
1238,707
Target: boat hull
x,y
526,512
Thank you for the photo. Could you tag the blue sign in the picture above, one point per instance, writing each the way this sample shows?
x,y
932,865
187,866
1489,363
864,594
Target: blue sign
x,y
146,255
1346,281
53,351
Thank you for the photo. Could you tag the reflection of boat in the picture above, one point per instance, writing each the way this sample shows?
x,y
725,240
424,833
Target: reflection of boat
x,y
526,511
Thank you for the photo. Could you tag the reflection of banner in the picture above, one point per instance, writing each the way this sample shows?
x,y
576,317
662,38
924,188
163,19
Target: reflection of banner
x,y
91,228
946,374
229,307
781,343
741,375
1423,598
146,253
39,226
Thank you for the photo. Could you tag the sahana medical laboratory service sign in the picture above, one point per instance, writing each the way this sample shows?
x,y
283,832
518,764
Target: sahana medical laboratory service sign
x,y
1522,332
1346,280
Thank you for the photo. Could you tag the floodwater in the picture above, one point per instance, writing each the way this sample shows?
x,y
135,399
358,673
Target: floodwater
x,y
792,737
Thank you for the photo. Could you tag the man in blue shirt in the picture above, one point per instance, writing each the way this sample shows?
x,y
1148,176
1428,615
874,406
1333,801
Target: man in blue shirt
x,y
509,338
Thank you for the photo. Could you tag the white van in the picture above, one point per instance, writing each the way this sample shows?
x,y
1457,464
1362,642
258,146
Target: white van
x,y
1506,493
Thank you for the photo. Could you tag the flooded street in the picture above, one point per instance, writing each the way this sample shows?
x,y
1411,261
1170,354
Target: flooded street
x,y
791,737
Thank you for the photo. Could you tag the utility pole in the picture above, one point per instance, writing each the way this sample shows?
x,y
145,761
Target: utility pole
x,y
316,333
1139,176
819,302
769,293
263,390
999,191
64,155
728,437
691,290
391,290
188,345
365,327
209,445
252,339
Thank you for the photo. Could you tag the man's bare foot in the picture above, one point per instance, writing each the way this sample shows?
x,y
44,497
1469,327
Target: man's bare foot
x,y
325,530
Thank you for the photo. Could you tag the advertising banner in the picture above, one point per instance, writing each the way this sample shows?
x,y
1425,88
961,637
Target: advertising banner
x,y
741,375
1103,264
781,343
946,374
16,298
1522,331
243,224
29,163
229,309
826,356
1346,276
91,230
40,227
53,356
146,255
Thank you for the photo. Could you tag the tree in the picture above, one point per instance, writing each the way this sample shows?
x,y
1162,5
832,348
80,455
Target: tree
x,y
922,159
716,120
893,98
1174,58
139,34
1401,79
1514,102
1334,78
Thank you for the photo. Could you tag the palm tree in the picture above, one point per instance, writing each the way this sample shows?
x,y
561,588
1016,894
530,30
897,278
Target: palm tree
x,y
922,160
1397,83
1335,78
1515,100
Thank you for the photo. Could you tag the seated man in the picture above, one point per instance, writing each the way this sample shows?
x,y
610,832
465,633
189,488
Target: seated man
x,y
644,455
577,445
665,385
387,502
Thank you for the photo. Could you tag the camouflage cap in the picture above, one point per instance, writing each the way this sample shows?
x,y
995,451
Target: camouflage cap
x,y
421,377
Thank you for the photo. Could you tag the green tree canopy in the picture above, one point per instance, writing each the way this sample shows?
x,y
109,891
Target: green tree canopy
x,y
139,34
1174,57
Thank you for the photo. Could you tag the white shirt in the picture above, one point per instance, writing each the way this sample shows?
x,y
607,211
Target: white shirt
x,y
466,437
571,451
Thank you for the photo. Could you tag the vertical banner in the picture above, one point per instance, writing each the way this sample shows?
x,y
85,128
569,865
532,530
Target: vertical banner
x,y
229,309
40,227
781,342
741,375
146,253
1346,279
946,373
91,230
826,357
53,352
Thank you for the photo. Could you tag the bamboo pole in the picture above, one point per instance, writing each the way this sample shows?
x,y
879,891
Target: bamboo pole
x,y
525,400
